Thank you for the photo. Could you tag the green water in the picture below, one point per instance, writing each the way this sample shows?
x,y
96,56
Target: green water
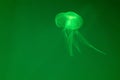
x,y
32,47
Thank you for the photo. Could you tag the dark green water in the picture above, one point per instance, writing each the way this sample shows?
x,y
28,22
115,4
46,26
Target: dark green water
x,y
33,48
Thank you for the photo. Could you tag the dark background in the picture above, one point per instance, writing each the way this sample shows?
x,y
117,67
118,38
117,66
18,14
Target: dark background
x,y
33,48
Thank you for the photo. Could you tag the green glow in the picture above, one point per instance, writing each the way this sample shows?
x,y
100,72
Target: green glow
x,y
71,22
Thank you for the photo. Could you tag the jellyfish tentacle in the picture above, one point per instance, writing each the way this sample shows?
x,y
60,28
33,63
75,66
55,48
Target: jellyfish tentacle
x,y
76,46
88,44
70,43
69,37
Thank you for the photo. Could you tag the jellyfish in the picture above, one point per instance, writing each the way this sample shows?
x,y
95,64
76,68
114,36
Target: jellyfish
x,y
71,22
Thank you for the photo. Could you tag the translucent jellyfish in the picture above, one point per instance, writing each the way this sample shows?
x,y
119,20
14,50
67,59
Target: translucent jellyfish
x,y
71,22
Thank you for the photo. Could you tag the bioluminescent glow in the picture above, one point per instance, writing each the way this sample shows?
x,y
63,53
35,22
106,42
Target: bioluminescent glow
x,y
71,22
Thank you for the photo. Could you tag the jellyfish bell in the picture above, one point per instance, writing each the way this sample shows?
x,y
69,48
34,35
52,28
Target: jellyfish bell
x,y
69,20
73,20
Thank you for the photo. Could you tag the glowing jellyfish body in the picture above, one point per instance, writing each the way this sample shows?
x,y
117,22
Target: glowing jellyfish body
x,y
70,22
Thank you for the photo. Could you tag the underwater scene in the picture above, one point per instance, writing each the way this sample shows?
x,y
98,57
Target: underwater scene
x,y
59,40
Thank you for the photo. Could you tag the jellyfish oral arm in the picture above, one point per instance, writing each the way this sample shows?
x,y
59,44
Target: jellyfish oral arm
x,y
69,40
